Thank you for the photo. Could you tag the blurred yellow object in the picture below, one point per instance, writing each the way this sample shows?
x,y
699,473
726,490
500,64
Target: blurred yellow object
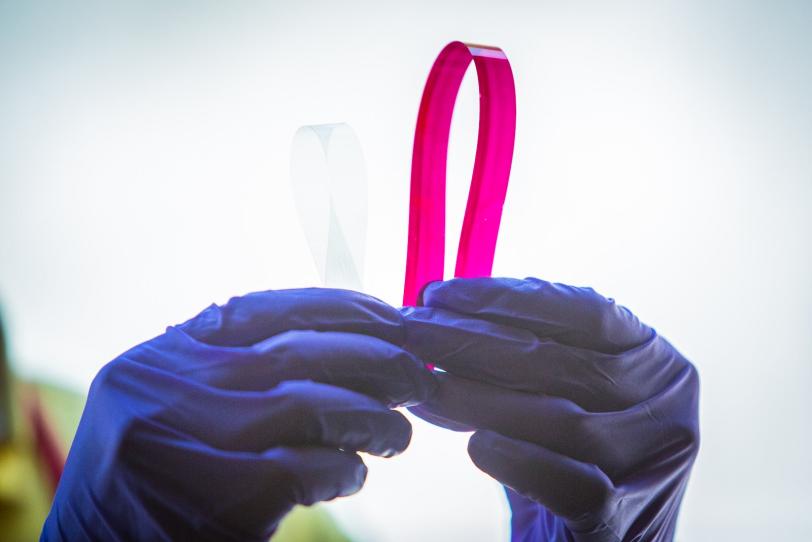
x,y
25,491
311,524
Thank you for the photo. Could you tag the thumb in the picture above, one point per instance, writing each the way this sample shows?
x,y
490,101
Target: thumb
x,y
580,493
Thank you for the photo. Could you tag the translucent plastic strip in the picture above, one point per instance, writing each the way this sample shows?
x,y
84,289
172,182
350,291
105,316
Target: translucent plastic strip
x,y
494,154
329,180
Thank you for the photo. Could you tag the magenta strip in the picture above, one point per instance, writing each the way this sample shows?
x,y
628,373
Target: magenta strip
x,y
494,154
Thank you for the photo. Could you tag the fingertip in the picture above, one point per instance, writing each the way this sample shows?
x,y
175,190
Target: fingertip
x,y
385,435
479,440
400,439
430,291
496,456
481,447
426,287
476,443
361,472
424,383
354,480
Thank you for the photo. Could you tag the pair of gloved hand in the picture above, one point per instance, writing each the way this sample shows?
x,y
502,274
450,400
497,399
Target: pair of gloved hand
x,y
217,428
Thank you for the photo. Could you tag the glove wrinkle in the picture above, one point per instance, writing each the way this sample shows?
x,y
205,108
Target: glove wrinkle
x,y
586,413
217,428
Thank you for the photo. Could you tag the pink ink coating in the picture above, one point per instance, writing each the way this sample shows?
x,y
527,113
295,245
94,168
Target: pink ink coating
x,y
494,154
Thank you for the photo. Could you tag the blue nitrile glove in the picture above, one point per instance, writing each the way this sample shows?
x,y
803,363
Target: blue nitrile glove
x,y
216,429
587,416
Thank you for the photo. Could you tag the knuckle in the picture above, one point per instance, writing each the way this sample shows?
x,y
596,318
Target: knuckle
x,y
599,493
603,317
119,427
685,440
688,426
690,436
104,376
581,425
693,439
111,377
693,376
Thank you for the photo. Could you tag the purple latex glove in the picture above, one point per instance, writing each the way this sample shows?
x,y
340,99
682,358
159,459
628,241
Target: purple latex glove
x,y
217,428
587,416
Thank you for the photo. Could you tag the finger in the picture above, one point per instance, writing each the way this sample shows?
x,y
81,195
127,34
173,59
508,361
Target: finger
x,y
517,359
361,363
568,314
298,413
613,440
580,493
255,488
295,413
246,320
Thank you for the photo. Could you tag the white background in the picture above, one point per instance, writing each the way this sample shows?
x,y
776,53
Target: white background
x,y
662,157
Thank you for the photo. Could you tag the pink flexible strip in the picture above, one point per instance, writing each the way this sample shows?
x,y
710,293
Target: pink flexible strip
x,y
494,153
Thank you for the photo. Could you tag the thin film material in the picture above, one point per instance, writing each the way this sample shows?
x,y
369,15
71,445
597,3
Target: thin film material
x,y
329,179
489,181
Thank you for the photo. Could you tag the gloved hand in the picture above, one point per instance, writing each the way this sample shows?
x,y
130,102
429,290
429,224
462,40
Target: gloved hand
x,y
587,416
217,428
